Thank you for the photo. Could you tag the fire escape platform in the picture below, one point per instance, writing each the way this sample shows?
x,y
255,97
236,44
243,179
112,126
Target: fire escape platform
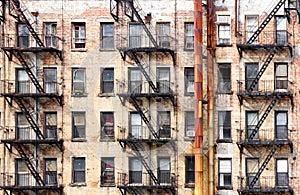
x,y
266,190
253,47
258,143
10,96
9,143
9,50
13,189
147,187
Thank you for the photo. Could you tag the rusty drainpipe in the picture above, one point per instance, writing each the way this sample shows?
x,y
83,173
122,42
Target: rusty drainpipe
x,y
198,86
210,93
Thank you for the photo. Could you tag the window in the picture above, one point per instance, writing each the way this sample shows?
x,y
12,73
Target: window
x,y
281,30
224,80
78,81
251,120
163,80
135,35
225,173
164,170
135,170
107,171
164,124
251,27
223,22
163,34
108,80
135,125
281,125
23,131
107,125
252,165
50,34
190,170
78,35
78,170
107,36
189,81
22,83
50,79
50,171
281,76
251,73
189,36
50,125
135,80
189,124
78,121
282,174
224,125
23,35
23,175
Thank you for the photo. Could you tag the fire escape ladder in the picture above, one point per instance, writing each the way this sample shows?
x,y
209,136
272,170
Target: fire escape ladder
x,y
29,118
22,17
136,8
263,166
29,72
262,69
265,22
264,116
114,9
137,150
132,54
145,119
30,166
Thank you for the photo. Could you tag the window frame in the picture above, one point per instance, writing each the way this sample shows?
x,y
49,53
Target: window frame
x,y
23,84
189,125
282,177
79,35
284,128
189,171
189,75
249,130
224,81
224,30
51,174
163,83
250,175
50,83
78,81
251,27
225,114
164,170
163,34
23,37
103,135
107,38
281,30
76,135
164,126
224,186
251,71
105,81
107,173
138,132
23,130
50,34
74,180
281,81
138,82
23,178
135,38
51,128
138,173
189,34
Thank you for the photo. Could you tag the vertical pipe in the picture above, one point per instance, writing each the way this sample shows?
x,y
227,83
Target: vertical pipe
x,y
210,93
198,86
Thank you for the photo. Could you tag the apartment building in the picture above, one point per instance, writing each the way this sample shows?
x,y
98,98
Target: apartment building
x,y
97,97
256,97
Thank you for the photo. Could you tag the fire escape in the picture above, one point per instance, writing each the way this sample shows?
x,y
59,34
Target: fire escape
x,y
24,100
256,90
140,146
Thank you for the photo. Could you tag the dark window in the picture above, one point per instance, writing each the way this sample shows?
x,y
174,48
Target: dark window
x,y
135,125
107,171
50,125
251,73
251,122
225,173
189,81
189,36
163,34
107,36
78,81
282,175
189,124
50,78
224,122
281,76
23,35
78,121
108,80
78,170
281,125
107,125
224,78
23,131
164,124
189,169
50,34
252,165
22,83
78,35
164,170
135,170
135,35
50,172
281,30
23,177
163,80
135,80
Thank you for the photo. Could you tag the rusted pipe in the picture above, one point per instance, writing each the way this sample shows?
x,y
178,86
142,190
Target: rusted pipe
x,y
198,86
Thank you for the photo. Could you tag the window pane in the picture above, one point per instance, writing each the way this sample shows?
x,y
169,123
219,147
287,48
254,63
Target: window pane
x,y
225,166
107,125
107,36
224,78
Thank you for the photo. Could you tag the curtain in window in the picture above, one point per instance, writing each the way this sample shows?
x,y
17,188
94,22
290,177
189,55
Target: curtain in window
x,y
23,35
164,80
136,125
135,32
135,81
252,120
50,80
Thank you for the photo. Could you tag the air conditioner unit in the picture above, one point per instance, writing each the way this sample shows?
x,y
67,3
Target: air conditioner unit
x,y
223,19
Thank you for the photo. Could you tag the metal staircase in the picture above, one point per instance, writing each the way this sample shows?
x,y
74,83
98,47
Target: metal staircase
x,y
30,166
265,22
145,119
262,69
264,116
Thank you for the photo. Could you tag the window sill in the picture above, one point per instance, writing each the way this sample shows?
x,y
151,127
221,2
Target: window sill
x,y
224,45
79,49
78,185
224,187
108,50
107,139
108,185
106,95
189,138
224,140
189,94
189,185
188,49
79,140
79,94
225,92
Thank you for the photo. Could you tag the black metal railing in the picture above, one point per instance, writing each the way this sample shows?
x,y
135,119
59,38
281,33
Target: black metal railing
x,y
265,86
279,37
